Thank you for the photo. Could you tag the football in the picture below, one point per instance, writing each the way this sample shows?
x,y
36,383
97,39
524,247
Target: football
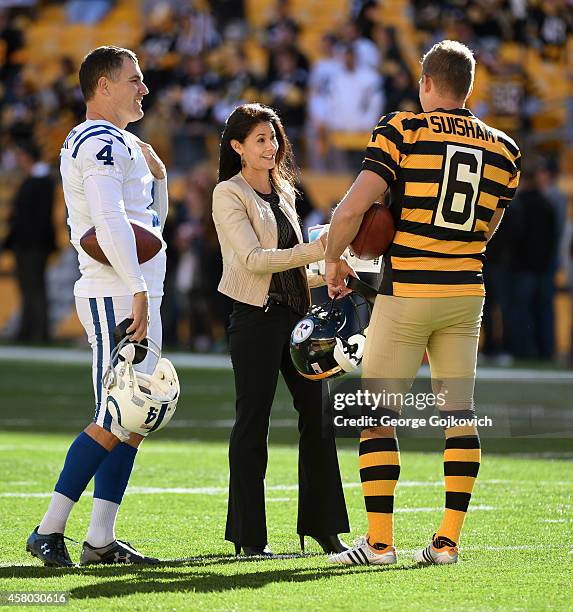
x,y
148,244
376,233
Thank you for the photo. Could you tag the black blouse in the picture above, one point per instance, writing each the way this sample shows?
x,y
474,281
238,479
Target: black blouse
x,y
288,287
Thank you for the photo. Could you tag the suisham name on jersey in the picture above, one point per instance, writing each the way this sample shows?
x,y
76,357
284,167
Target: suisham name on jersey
x,y
459,126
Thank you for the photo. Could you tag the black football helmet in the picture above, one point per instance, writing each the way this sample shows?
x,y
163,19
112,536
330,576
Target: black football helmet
x,y
329,341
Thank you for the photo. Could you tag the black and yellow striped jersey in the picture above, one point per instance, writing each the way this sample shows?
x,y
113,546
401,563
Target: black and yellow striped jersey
x,y
448,172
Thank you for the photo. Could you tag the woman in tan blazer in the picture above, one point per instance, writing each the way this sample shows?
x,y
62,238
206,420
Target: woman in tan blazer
x,y
264,272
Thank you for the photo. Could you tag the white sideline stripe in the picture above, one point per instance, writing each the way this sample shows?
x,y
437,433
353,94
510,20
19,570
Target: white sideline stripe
x,y
347,485
204,490
70,356
217,362
176,423
219,490
546,455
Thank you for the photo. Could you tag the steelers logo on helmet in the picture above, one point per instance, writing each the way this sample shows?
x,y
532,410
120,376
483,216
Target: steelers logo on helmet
x,y
329,341
302,330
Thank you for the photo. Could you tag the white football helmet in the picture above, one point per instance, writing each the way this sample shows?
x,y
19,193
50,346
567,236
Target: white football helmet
x,y
141,403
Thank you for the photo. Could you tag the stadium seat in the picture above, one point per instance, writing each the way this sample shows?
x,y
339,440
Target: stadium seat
x,y
349,141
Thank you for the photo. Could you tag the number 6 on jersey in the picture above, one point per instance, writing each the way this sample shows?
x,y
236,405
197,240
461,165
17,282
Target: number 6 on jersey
x,y
460,188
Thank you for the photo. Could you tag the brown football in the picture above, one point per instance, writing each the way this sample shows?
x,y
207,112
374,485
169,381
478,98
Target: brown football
x,y
148,244
376,233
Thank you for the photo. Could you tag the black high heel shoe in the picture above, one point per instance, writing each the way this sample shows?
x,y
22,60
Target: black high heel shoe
x,y
328,543
254,551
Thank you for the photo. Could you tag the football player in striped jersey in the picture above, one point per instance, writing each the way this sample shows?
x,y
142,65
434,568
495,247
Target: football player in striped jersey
x,y
110,179
450,178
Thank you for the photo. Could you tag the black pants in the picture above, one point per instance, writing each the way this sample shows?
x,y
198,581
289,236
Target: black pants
x,y
31,274
259,344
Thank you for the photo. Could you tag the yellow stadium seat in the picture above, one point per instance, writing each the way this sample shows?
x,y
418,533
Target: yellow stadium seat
x,y
325,188
349,141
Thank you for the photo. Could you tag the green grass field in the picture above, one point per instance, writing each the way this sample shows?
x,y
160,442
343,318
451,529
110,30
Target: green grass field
x,y
516,551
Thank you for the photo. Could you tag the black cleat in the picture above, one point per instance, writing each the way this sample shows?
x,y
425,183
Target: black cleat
x,y
116,552
50,549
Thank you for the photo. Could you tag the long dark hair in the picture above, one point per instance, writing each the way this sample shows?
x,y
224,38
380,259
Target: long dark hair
x,y
238,126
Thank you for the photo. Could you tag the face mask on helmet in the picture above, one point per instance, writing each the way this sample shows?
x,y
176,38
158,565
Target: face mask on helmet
x,y
141,403
329,341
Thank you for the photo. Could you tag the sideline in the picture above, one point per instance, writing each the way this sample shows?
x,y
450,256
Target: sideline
x,y
73,356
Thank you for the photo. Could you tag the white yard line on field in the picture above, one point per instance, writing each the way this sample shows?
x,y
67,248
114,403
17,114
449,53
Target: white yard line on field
x,y
73,356
135,490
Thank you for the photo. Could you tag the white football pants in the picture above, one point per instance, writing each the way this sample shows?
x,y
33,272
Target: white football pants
x,y
99,316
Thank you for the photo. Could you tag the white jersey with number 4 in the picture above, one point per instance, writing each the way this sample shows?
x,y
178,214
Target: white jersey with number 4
x,y
107,184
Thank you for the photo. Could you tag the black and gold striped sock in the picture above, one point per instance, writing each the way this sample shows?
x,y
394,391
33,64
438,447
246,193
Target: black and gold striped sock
x,y
379,472
462,457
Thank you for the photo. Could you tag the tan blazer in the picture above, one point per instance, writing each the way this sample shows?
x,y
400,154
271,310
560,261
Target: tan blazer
x,y
247,232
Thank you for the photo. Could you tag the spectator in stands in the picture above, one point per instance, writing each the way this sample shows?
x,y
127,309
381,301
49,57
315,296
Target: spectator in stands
x,y
461,28
355,105
157,52
21,108
286,94
427,15
366,53
238,85
551,23
321,75
281,34
88,12
547,174
510,100
31,237
498,308
283,25
226,12
198,33
401,92
486,20
517,17
195,95
364,14
392,57
66,89
199,262
11,41
169,304
534,231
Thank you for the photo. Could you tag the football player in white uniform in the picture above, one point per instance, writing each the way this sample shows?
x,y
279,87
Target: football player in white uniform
x,y
110,178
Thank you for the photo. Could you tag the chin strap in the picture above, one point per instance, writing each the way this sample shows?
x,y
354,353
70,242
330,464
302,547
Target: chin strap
x,y
363,289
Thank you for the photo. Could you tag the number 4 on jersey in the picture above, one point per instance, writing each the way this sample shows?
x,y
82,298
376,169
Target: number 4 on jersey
x,y
105,156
